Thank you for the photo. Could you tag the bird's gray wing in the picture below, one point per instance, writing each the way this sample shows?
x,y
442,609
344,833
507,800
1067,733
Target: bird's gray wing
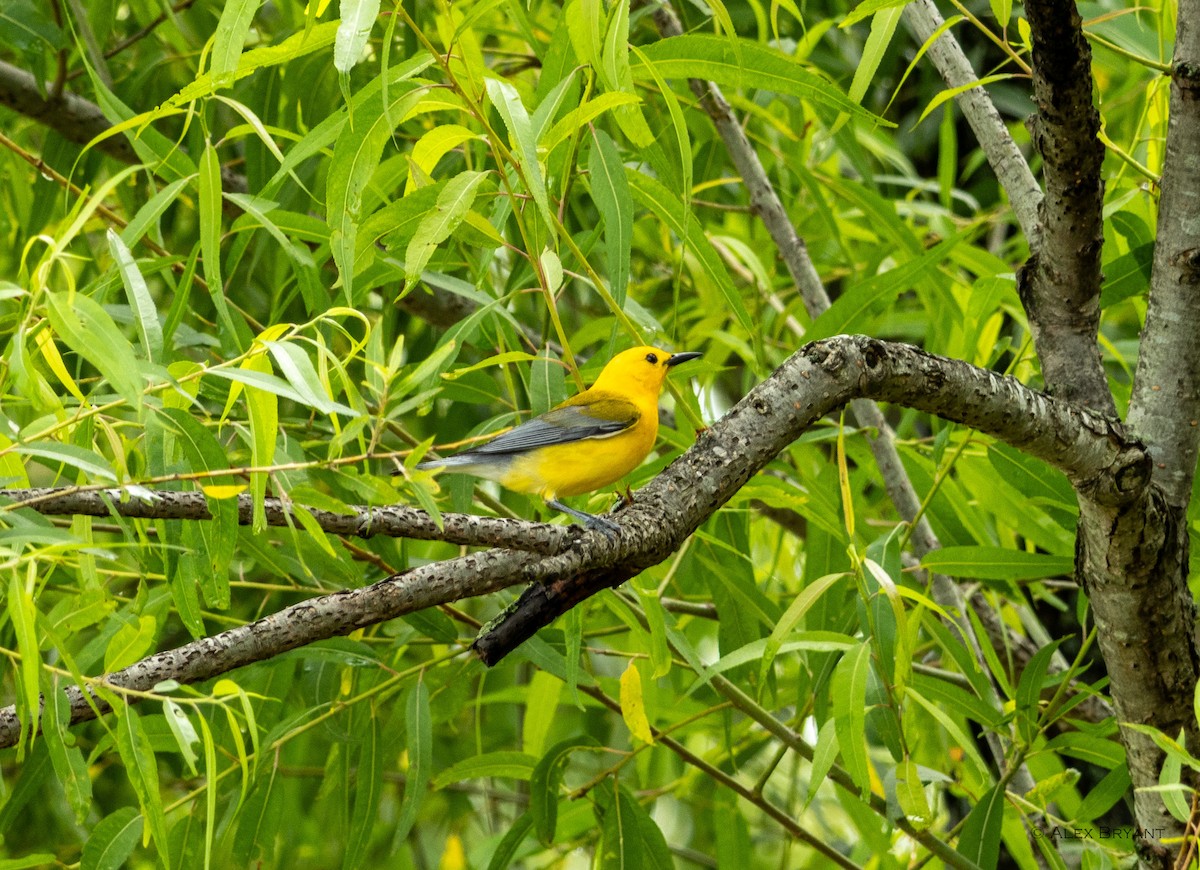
x,y
563,425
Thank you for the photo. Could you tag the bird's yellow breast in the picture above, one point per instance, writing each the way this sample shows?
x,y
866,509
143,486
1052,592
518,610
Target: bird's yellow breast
x,y
564,470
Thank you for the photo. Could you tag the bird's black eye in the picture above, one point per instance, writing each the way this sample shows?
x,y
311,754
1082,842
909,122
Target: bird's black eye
x,y
652,359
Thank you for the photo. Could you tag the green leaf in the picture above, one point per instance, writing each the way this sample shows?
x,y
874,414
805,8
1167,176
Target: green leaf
x,y
520,130
92,464
610,191
420,758
743,63
910,794
628,836
137,755
979,841
236,18
88,330
1128,275
295,46
358,17
182,730
795,612
130,643
582,117
355,157
112,840
302,375
368,786
541,710
452,205
145,314
849,692
208,547
883,26
504,765
22,614
997,563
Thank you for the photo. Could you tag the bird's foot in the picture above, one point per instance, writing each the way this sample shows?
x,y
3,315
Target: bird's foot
x,y
596,524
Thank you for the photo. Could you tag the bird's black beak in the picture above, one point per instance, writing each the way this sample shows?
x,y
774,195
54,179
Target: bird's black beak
x,y
677,358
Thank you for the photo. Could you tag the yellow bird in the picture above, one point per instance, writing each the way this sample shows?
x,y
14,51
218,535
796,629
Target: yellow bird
x,y
585,443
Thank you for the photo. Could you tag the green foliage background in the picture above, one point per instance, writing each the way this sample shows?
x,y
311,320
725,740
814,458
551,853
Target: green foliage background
x,y
438,214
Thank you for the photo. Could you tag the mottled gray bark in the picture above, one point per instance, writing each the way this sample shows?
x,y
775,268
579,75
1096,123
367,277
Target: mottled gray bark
x,y
1060,283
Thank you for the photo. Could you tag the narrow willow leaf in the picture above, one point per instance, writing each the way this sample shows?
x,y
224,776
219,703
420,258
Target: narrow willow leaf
x,y
137,755
434,145
130,643
502,858
358,17
112,841
234,24
295,46
520,129
883,26
997,563
355,157
849,691
979,841
581,117
368,786
420,757
210,240
83,324
910,794
22,614
182,730
633,704
541,709
208,548
628,836
263,409
92,464
615,73
144,311
610,192
435,227
504,765
70,766
791,617
545,782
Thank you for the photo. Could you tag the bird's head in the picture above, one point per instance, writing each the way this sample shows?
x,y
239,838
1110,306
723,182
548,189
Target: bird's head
x,y
640,370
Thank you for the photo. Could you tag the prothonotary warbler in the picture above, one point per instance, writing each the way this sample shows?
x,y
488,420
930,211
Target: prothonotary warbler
x,y
585,443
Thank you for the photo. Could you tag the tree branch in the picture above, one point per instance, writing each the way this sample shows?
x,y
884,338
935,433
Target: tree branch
x,y
813,382
1003,155
396,521
1060,283
1165,405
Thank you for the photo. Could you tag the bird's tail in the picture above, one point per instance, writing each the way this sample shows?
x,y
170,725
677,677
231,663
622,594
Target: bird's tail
x,y
458,462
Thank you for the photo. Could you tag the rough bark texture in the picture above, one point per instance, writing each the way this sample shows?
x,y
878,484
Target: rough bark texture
x,y
1132,559
396,521
1060,283
1165,406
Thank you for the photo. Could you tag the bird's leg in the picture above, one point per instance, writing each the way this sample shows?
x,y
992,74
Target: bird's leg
x,y
628,496
593,522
